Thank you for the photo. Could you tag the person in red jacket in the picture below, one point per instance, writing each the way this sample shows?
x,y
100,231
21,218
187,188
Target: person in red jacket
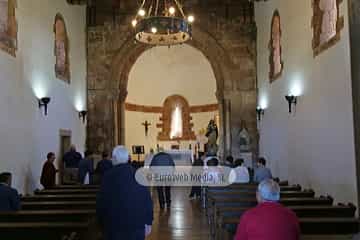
x,y
269,220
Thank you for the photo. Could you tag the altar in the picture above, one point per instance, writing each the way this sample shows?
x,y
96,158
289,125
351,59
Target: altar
x,y
181,157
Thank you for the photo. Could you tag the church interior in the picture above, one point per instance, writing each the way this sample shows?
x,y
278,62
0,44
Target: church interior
x,y
277,79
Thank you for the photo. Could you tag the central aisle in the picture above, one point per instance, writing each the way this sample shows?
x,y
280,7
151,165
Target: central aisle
x,y
184,220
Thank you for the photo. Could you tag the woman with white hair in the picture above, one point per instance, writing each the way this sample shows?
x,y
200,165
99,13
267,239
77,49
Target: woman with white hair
x,y
269,220
124,207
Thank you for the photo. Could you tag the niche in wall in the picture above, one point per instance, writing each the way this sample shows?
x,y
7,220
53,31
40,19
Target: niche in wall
x,y
275,59
61,49
176,108
327,24
8,27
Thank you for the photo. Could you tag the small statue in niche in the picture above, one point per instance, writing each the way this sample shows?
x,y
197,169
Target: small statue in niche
x,y
244,138
212,134
329,19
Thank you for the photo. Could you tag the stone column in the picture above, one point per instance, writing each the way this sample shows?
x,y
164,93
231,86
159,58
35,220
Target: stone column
x,y
354,27
228,142
121,117
221,128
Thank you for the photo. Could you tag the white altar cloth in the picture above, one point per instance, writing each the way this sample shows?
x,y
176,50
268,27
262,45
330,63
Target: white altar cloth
x,y
182,157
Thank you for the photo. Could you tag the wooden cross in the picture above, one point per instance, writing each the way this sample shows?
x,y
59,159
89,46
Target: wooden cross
x,y
146,124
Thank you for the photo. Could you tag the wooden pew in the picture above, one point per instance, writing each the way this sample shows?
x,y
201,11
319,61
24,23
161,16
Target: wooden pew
x,y
63,215
250,186
221,201
76,187
284,194
340,211
58,205
66,191
42,230
309,226
65,197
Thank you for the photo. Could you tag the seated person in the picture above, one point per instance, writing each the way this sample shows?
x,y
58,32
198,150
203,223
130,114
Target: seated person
x,y
124,207
9,197
48,174
269,220
213,172
86,168
262,172
229,162
104,165
239,174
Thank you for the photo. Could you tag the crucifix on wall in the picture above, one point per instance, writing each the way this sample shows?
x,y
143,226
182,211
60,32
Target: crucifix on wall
x,y
146,125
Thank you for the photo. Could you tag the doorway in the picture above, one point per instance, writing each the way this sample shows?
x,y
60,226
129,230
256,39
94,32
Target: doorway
x,y
65,143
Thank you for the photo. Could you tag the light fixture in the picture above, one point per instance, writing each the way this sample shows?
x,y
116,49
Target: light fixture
x,y
260,112
43,102
292,100
162,22
82,115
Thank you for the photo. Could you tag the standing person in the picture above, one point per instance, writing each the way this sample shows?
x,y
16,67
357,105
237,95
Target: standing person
x,y
148,158
163,159
196,190
239,174
86,168
269,220
9,197
124,207
262,172
71,160
104,165
48,174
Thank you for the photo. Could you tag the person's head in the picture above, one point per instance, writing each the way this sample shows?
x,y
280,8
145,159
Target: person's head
x,y
88,154
151,151
213,162
5,178
120,155
105,155
261,162
268,191
73,148
230,159
239,162
51,157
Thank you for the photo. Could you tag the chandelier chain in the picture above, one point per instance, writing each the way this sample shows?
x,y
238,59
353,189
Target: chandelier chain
x,y
180,8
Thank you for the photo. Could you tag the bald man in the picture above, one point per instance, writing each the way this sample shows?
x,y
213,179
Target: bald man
x,y
269,220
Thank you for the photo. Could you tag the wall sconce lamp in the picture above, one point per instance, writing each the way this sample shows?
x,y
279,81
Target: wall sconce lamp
x,y
82,115
260,112
43,102
292,100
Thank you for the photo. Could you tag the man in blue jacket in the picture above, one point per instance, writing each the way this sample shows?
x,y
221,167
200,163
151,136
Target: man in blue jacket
x,y
86,166
163,159
124,207
9,197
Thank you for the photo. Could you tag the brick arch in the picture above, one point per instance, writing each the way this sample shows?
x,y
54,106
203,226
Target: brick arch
x,y
169,104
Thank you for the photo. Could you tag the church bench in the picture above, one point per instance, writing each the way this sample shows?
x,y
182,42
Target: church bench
x,y
42,230
58,205
284,194
251,186
66,197
215,202
76,187
65,191
308,226
48,216
340,211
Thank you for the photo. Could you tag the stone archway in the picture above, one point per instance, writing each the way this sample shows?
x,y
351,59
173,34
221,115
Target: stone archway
x,y
126,57
112,52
